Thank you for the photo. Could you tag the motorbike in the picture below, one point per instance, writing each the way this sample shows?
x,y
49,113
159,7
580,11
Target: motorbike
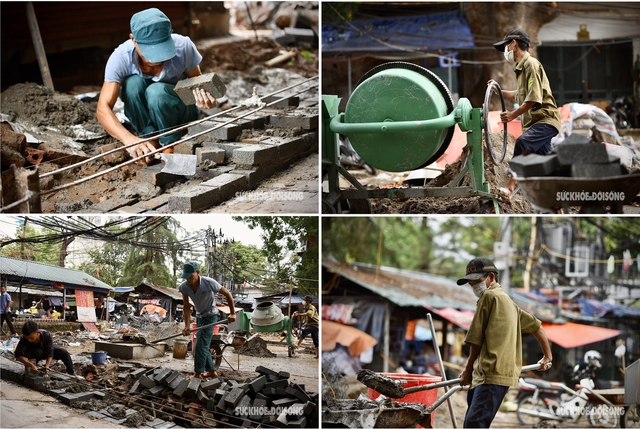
x,y
621,112
540,400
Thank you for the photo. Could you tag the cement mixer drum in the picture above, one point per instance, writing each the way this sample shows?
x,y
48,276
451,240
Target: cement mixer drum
x,y
395,92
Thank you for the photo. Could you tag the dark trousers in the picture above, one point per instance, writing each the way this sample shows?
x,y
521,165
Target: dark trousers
x,y
58,354
484,402
313,331
7,317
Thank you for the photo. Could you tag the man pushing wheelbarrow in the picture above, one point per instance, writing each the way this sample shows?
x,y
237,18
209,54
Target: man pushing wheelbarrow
x,y
495,358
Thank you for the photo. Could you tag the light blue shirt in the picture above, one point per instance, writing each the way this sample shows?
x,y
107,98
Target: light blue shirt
x,y
5,299
124,62
204,299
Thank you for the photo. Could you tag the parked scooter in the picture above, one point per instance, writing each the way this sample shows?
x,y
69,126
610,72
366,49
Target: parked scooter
x,y
621,112
543,400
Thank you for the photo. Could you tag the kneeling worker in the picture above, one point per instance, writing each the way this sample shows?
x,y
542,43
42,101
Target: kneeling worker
x,y
38,344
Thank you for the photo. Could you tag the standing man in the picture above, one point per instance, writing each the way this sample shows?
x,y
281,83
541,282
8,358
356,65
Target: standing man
x,y
38,344
538,109
202,291
495,339
313,319
5,306
143,71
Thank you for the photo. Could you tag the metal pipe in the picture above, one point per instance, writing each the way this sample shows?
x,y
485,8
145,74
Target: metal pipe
x,y
442,371
173,130
41,55
109,170
338,125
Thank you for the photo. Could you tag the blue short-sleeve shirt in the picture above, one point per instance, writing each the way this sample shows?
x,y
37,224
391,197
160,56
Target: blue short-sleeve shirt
x,y
5,299
204,299
124,62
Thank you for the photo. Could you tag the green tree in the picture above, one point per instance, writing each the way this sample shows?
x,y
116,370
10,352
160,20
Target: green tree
x,y
291,248
41,246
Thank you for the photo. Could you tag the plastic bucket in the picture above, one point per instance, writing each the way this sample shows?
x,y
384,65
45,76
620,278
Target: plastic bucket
x,y
427,397
98,358
180,349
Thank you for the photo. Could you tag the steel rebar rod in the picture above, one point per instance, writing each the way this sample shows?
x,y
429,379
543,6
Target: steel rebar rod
x,y
171,131
29,194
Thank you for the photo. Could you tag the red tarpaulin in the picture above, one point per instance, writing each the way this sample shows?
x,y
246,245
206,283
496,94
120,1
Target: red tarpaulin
x,y
570,335
460,318
352,338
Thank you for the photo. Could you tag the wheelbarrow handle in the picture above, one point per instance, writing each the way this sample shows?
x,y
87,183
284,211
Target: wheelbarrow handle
x,y
455,381
191,330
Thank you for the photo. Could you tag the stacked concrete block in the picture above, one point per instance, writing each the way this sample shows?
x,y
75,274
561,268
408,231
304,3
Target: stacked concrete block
x,y
216,129
576,157
210,82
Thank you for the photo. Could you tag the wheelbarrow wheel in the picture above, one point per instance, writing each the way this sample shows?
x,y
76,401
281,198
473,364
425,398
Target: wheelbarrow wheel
x,y
216,353
292,351
603,416
631,417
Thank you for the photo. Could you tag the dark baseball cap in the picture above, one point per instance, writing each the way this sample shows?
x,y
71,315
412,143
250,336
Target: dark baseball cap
x,y
308,298
189,268
151,30
478,268
511,36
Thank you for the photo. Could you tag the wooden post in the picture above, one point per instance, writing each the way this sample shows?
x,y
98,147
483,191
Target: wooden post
x,y
39,47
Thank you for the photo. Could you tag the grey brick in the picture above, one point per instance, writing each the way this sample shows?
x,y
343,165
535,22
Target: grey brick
x,y
147,382
265,371
295,119
282,104
172,376
210,82
284,375
162,376
202,396
234,396
211,384
228,184
72,398
176,381
283,383
57,392
255,155
192,387
100,395
156,390
221,404
258,383
534,165
182,387
194,199
154,175
596,170
137,387
125,367
216,130
227,147
187,148
309,408
284,402
95,415
218,394
574,153
123,376
296,422
210,154
256,175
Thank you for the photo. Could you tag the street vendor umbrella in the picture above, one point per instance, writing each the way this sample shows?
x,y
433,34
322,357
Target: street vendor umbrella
x,y
354,339
149,308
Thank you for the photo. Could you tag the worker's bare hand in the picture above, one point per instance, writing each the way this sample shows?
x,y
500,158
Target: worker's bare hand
x,y
495,88
508,116
231,318
186,331
33,367
204,100
465,378
142,149
545,363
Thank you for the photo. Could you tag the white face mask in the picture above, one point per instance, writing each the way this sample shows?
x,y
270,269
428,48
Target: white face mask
x,y
479,289
508,55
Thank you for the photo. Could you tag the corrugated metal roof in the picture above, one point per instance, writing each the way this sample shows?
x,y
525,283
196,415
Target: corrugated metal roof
x,y
39,273
407,288
172,293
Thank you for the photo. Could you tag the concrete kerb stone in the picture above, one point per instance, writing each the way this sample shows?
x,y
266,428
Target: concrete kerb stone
x,y
216,155
226,132
228,184
300,118
153,174
194,199
227,147
255,155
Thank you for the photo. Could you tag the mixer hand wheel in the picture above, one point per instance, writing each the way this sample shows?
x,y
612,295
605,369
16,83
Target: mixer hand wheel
x,y
487,125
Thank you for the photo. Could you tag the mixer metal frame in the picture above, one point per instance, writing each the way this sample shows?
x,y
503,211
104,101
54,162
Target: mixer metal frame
x,y
356,200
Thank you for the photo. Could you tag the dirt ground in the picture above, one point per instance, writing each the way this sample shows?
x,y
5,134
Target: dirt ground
x,y
495,175
71,133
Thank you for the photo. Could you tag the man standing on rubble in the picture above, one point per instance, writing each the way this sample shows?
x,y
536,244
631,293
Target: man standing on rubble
x,y
5,305
313,320
495,339
38,344
202,291
538,109
143,71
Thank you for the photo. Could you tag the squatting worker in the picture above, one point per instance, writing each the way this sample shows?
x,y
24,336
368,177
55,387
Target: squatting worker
x,y
538,110
202,291
38,344
313,321
495,340
143,71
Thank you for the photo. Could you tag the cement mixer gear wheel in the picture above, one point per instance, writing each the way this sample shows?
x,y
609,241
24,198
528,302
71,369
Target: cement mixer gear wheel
x,y
438,84
487,124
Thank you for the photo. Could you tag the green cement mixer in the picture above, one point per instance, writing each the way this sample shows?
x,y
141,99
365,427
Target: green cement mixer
x,y
401,117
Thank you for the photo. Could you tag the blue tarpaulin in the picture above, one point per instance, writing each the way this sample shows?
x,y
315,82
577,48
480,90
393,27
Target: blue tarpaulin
x,y
434,32
589,307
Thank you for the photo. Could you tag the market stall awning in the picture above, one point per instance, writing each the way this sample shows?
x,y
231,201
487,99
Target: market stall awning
x,y
570,335
459,318
354,339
